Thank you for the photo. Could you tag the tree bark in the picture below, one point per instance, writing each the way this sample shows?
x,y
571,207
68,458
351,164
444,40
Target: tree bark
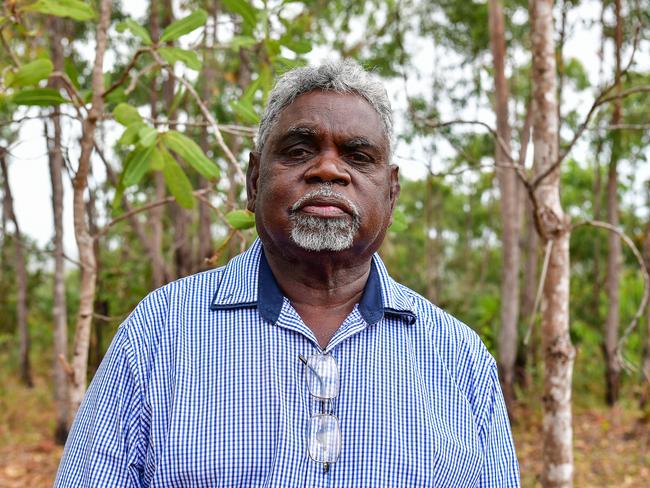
x,y
83,236
553,225
614,256
21,280
59,309
510,212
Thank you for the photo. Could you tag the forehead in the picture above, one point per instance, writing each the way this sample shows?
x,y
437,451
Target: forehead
x,y
341,114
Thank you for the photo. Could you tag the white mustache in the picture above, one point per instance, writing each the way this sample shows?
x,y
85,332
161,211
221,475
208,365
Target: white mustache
x,y
327,192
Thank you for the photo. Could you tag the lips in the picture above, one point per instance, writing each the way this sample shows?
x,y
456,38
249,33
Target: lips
x,y
324,207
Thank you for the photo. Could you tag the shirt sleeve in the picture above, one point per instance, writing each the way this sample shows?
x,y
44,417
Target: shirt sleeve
x,y
104,445
500,468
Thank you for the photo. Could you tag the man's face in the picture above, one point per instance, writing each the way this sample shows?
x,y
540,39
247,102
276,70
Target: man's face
x,y
323,181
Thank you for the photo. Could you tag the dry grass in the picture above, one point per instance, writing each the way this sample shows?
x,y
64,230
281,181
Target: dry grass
x,y
612,447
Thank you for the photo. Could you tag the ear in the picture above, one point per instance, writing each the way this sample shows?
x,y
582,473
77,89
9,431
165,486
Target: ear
x,y
394,188
252,176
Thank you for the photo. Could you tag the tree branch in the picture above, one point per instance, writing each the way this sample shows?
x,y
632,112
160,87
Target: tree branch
x,y
540,288
126,71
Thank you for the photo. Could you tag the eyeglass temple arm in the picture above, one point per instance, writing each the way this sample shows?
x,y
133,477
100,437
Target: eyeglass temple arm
x,y
306,363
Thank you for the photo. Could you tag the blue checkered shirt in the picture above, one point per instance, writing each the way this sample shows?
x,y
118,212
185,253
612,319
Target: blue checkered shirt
x,y
203,387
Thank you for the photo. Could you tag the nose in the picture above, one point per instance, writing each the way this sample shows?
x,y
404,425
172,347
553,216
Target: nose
x,y
328,168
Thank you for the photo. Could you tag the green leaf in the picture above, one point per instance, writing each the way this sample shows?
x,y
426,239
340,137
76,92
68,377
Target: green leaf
x,y
126,114
184,26
74,9
32,73
177,182
244,110
131,134
156,162
41,97
135,29
147,136
301,46
178,98
190,151
241,219
242,41
188,58
72,72
400,224
136,165
245,9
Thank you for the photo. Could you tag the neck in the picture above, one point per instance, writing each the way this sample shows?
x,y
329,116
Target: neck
x,y
323,289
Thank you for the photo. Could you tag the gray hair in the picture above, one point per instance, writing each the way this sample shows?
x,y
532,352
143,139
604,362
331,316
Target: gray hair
x,y
345,76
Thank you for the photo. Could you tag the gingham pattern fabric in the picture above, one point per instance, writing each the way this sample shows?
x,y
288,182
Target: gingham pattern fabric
x,y
203,387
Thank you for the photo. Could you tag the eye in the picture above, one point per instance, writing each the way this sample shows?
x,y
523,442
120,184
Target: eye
x,y
359,157
298,152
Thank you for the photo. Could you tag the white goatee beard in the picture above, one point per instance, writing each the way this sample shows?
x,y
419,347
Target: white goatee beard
x,y
324,234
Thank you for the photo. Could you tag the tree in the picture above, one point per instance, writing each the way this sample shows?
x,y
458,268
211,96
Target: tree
x,y
554,229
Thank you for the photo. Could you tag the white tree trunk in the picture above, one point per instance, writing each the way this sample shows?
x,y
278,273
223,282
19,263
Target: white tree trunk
x,y
554,226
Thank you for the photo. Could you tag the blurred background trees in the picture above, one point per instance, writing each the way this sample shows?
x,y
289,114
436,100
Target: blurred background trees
x,y
522,136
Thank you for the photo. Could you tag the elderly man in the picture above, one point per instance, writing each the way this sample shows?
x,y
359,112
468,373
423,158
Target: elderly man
x,y
301,362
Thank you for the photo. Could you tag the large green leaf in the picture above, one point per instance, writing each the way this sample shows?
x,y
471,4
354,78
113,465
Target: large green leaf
x,y
241,219
188,58
74,9
126,114
177,182
184,26
190,151
135,29
31,73
41,97
301,46
136,165
243,8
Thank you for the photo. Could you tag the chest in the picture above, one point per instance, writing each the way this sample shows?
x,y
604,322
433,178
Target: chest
x,y
237,414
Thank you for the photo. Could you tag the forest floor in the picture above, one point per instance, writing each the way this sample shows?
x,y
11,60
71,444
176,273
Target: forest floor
x,y
612,446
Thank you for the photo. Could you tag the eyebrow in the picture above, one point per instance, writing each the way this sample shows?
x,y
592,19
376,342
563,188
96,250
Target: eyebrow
x,y
357,142
301,131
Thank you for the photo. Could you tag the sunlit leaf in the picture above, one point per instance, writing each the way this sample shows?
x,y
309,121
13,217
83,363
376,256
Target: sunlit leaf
x,y
242,41
126,114
41,97
241,219
135,29
191,153
302,46
156,162
184,26
244,9
31,73
188,58
147,135
74,9
177,182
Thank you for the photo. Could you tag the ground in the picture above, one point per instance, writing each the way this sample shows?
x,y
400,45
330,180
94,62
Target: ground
x,y
612,446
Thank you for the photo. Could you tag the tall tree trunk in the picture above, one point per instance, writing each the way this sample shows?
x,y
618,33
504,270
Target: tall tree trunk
x,y
510,212
21,279
59,309
84,239
597,205
159,274
613,369
554,226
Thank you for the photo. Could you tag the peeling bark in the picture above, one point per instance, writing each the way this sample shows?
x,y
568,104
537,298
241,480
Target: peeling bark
x,y
553,225
85,241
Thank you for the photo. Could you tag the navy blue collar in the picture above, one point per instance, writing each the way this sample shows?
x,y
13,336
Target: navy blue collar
x,y
247,282
371,307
